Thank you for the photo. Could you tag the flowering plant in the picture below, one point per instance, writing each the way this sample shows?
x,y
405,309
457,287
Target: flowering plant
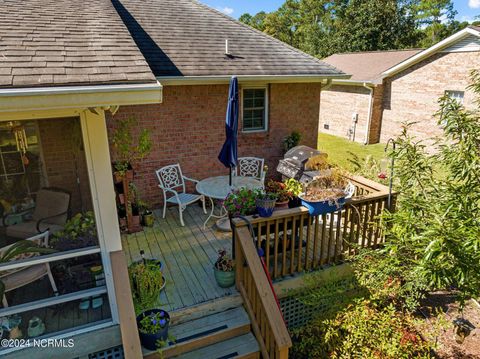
x,y
241,202
280,189
224,262
154,322
293,186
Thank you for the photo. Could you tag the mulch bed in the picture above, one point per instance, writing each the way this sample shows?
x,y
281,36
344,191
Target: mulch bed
x,y
444,304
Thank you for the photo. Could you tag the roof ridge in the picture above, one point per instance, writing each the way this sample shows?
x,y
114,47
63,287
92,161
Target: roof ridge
x,y
377,51
300,52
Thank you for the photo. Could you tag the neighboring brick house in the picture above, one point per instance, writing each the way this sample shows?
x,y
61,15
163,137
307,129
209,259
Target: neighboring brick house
x,y
191,63
388,88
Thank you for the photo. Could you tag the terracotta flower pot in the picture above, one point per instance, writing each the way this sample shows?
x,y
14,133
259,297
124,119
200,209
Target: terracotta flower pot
x,y
281,205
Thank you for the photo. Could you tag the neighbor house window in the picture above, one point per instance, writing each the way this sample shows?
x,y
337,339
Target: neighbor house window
x,y
255,109
456,95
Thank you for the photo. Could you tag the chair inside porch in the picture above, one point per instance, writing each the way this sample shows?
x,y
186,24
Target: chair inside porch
x,y
187,253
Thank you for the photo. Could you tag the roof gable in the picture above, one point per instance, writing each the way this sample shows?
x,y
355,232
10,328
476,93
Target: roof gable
x,y
66,42
438,47
185,38
369,66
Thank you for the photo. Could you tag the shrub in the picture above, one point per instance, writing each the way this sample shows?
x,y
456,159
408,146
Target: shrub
x,y
241,202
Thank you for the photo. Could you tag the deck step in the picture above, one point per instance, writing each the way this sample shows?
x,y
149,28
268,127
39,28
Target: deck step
x,y
205,331
240,347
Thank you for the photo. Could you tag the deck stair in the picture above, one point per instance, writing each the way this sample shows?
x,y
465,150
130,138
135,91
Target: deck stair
x,y
221,335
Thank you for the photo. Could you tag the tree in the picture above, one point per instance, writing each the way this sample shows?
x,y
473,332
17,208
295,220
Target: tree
x,y
257,21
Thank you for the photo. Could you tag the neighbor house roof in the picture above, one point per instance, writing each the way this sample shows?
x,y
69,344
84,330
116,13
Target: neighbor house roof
x,y
183,38
369,66
66,42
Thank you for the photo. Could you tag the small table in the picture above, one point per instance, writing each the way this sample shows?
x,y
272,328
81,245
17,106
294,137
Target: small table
x,y
219,188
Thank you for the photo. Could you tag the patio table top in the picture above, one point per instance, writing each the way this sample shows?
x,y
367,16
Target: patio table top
x,y
219,188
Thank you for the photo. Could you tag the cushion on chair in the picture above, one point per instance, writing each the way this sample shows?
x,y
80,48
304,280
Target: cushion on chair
x,y
50,203
185,198
24,276
29,229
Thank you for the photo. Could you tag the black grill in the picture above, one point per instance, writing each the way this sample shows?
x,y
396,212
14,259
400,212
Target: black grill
x,y
293,164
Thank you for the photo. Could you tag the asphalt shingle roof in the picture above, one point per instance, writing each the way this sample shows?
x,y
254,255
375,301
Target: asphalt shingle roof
x,y
369,66
66,42
186,38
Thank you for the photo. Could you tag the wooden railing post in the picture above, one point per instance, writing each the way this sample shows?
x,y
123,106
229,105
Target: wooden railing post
x,y
126,312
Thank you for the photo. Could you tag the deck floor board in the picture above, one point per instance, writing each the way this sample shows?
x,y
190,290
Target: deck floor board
x,y
188,254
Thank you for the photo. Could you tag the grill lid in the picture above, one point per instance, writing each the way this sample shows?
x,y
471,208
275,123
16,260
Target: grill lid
x,y
300,154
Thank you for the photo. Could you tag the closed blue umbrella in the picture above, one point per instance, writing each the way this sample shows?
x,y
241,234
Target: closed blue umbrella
x,y
228,155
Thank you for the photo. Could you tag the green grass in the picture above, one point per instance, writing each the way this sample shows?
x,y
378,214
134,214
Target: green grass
x,y
338,150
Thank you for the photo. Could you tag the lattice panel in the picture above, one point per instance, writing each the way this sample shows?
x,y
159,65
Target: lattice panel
x,y
112,353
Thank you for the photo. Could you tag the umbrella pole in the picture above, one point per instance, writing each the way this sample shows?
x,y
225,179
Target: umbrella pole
x,y
230,176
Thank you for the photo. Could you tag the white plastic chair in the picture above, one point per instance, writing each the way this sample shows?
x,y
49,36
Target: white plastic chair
x,y
172,181
251,167
16,278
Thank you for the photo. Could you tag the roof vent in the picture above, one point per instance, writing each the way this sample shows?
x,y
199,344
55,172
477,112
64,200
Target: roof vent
x,y
227,50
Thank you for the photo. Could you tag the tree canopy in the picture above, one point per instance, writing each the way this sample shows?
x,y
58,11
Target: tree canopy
x,y
324,27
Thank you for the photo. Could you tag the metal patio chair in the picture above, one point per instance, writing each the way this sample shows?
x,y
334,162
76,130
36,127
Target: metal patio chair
x,y
172,182
251,167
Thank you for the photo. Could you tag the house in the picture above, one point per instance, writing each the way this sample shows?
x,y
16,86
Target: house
x,y
388,88
69,71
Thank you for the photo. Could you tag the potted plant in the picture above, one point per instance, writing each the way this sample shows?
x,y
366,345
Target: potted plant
x,y
280,190
224,269
327,193
148,219
241,202
153,328
79,232
122,216
146,281
129,147
265,203
295,188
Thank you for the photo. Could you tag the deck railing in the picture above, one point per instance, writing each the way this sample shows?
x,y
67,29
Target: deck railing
x,y
293,242
252,283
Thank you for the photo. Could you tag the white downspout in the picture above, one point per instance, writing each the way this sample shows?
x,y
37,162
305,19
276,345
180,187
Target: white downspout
x,y
370,88
327,85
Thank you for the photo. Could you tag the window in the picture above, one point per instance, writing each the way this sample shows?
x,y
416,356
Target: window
x,y
456,95
255,106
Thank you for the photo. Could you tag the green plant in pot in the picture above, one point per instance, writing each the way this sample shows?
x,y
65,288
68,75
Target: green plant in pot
x,y
153,327
148,219
241,202
130,146
224,269
281,191
295,188
292,140
146,281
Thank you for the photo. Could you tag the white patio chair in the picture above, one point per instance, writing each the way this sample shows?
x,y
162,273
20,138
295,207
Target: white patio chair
x,y
251,167
16,278
172,181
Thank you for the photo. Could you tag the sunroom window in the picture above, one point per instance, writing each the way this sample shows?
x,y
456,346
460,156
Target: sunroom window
x,y
52,265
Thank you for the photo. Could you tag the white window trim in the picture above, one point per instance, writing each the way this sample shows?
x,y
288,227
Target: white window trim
x,y
267,104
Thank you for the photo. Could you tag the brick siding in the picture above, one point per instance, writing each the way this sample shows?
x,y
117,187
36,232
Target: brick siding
x,y
413,94
61,163
338,105
189,128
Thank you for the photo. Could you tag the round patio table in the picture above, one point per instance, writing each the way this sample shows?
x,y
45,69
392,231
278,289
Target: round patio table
x,y
219,188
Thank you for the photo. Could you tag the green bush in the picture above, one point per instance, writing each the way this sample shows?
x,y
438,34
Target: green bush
x,y
361,330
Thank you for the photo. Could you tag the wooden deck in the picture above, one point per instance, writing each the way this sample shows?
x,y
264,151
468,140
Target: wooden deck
x,y
188,254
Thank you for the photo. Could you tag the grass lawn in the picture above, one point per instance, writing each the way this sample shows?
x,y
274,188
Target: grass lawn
x,y
338,150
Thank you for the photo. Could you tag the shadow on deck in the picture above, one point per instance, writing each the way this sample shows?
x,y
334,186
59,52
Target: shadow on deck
x,y
188,254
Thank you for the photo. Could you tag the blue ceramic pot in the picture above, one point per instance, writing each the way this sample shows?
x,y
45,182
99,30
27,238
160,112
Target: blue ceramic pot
x,y
149,341
265,207
322,207
224,279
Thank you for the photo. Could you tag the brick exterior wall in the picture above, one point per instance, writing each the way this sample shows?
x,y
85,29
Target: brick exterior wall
x,y
413,94
189,128
338,104
62,163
